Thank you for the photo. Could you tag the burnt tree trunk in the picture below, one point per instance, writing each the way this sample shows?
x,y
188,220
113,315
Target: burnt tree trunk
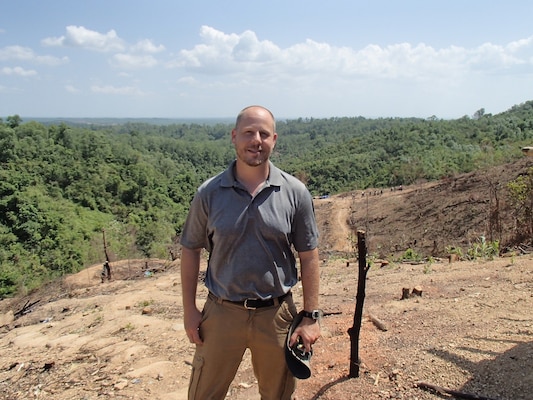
x,y
106,270
355,330
105,247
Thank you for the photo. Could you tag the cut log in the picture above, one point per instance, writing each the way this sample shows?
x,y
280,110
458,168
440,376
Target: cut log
x,y
378,324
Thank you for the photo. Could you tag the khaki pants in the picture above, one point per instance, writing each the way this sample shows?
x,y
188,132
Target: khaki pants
x,y
227,331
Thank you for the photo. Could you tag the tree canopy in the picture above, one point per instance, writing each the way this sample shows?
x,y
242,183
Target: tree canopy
x,y
62,184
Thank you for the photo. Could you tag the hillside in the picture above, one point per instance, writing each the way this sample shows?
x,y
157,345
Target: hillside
x,y
427,217
470,330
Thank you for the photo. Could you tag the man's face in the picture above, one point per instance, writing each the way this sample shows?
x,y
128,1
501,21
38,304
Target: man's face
x,y
254,138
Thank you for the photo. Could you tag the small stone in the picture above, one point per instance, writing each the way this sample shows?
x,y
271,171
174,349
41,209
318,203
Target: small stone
x,y
121,385
147,311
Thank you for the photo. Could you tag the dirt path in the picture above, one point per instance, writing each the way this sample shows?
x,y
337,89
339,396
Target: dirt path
x,y
333,215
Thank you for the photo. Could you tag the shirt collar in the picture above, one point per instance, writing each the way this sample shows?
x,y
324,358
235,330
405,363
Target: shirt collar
x,y
228,176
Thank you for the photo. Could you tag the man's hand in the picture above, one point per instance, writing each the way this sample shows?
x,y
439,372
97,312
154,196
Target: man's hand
x,y
192,317
191,322
308,331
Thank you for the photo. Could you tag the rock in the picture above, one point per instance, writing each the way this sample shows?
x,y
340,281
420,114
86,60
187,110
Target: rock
x,y
120,385
147,311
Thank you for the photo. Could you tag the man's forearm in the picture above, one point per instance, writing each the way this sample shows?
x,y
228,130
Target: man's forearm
x,y
190,268
310,274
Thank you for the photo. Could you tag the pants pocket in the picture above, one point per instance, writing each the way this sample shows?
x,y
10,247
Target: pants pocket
x,y
197,366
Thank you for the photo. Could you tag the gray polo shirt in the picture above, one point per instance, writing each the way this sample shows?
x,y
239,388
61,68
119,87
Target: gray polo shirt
x,y
250,239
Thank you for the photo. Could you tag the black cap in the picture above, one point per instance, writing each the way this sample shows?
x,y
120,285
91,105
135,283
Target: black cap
x,y
298,360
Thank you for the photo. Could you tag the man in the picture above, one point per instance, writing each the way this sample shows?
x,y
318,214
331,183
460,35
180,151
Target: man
x,y
249,218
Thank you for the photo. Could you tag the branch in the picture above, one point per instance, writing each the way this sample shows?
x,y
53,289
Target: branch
x,y
26,309
455,393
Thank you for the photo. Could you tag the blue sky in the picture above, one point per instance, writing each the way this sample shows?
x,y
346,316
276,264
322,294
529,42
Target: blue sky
x,y
320,59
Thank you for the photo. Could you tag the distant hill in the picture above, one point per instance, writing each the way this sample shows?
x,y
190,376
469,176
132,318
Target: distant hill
x,y
121,121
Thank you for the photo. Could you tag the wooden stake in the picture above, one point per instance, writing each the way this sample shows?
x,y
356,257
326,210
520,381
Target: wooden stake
x,y
355,330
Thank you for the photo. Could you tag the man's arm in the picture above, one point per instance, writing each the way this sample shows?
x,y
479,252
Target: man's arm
x,y
310,274
192,316
309,329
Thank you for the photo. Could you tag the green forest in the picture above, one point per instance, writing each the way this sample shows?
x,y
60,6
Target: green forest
x,y
63,185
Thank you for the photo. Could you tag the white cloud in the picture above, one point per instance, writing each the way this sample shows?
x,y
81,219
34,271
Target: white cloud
x,y
21,53
246,55
18,71
147,46
16,53
490,57
79,36
109,89
216,54
131,61
249,48
520,44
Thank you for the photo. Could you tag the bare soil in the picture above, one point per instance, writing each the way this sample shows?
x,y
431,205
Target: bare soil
x,y
470,331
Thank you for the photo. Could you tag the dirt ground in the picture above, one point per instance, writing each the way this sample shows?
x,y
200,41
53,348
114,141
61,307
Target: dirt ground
x,y
470,331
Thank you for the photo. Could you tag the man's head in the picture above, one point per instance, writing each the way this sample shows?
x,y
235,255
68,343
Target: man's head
x,y
246,109
254,135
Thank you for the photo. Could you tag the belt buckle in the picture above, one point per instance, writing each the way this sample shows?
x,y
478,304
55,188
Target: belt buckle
x,y
247,306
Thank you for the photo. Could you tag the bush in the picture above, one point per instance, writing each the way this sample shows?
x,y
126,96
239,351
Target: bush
x,y
483,249
411,255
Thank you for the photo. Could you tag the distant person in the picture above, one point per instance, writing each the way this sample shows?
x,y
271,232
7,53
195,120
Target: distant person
x,y
249,218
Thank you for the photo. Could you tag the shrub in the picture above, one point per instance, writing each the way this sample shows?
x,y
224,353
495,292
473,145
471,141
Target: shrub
x,y
483,249
411,255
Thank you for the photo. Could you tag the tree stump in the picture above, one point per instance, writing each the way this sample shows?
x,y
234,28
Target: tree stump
x,y
417,291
